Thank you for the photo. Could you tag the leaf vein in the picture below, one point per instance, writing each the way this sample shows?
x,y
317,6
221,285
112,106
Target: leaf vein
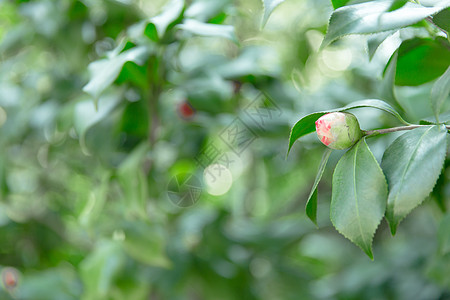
x,y
356,196
407,168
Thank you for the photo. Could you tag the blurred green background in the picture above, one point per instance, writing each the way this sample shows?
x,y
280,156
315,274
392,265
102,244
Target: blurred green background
x,y
167,177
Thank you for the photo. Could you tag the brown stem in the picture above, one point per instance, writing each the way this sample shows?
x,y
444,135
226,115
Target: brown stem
x,y
430,20
156,75
375,132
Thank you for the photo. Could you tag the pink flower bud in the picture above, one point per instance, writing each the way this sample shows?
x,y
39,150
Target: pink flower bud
x,y
10,277
338,130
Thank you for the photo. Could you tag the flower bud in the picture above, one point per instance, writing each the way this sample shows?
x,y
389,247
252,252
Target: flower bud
x,y
338,130
10,278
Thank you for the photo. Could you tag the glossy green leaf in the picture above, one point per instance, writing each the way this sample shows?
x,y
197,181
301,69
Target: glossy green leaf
x,y
307,124
412,164
311,204
204,10
444,235
374,41
421,60
158,25
269,6
427,122
396,4
372,17
388,84
303,127
104,72
359,196
443,118
339,3
442,19
208,30
135,74
440,92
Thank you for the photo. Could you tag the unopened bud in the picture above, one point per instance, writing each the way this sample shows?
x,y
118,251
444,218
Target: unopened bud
x,y
10,278
338,130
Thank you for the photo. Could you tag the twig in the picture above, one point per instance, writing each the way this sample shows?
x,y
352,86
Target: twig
x,y
375,132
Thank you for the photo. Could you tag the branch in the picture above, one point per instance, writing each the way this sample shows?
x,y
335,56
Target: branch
x,y
369,133
430,20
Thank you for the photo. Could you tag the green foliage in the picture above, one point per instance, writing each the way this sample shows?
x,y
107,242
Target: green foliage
x,y
339,3
421,60
396,4
306,124
359,196
374,16
414,161
269,6
311,203
157,26
96,137
412,164
209,30
374,41
439,93
442,19
105,71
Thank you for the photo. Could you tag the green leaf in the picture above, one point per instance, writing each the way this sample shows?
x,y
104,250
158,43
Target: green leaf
x,y
86,115
372,17
374,41
442,20
438,194
133,73
311,204
440,92
104,72
306,124
396,4
427,122
359,196
443,118
412,164
208,30
339,3
444,235
204,10
158,25
388,83
269,6
421,60
303,127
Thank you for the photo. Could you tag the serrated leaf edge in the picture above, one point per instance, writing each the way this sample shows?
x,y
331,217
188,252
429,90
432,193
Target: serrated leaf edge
x,y
326,42
394,230
370,253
